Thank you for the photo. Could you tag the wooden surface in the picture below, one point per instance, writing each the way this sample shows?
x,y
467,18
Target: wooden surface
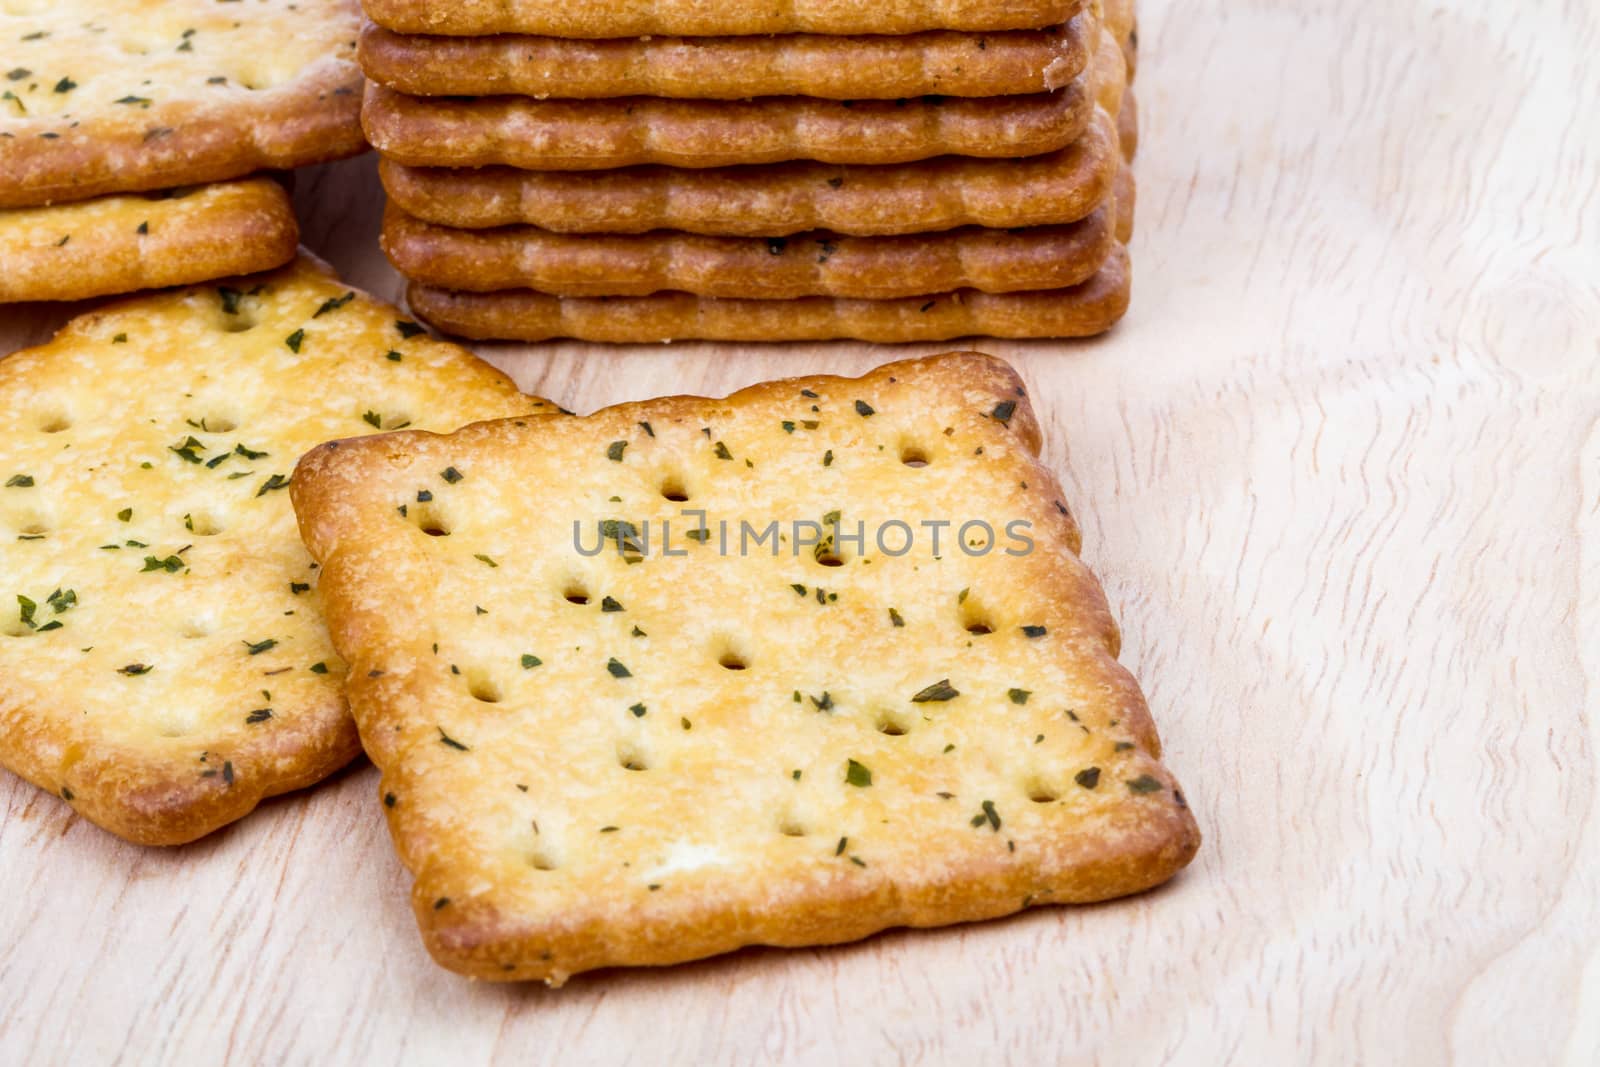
x,y
1340,473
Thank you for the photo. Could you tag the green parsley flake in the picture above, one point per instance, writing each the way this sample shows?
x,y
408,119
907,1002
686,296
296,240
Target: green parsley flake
x,y
277,481
333,304
936,693
857,774
188,449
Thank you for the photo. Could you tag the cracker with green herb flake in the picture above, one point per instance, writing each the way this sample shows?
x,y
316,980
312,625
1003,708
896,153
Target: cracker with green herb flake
x,y
125,242
846,772
163,660
114,96
714,18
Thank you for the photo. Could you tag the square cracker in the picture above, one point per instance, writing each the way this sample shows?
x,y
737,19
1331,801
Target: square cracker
x,y
713,18
775,200
801,265
128,241
592,760
163,661
520,131
1084,310
112,96
732,68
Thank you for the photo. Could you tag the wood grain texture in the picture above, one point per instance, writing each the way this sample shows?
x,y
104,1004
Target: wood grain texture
x,y
1339,470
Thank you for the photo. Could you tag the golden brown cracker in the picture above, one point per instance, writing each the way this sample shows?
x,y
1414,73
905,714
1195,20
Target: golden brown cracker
x,y
716,18
676,745
110,96
164,664
124,242
810,264
524,315
732,68
1128,125
1127,196
1119,18
603,134
774,200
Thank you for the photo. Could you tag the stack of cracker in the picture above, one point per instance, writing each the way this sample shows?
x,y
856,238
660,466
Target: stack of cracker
x,y
913,170
134,134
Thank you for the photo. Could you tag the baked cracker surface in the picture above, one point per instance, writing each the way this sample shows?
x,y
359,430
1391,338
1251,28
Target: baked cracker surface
x,y
713,18
732,68
107,96
810,264
775,200
128,241
608,740
1083,310
163,660
520,131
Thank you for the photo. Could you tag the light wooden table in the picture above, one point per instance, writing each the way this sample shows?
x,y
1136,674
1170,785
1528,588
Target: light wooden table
x,y
1340,473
